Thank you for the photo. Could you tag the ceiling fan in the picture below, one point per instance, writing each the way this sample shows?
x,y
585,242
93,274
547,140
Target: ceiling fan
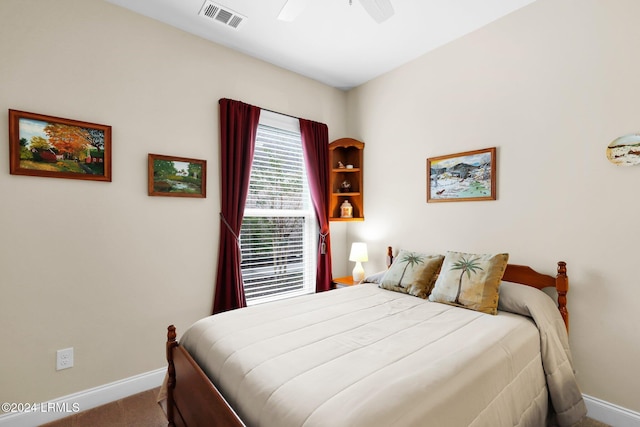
x,y
380,10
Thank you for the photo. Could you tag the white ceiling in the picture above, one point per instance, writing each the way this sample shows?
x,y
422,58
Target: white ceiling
x,y
331,41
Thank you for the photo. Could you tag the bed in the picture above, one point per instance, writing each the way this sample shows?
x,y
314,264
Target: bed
x,y
368,356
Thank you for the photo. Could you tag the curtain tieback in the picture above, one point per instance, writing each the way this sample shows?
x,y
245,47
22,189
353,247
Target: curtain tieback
x,y
323,244
235,236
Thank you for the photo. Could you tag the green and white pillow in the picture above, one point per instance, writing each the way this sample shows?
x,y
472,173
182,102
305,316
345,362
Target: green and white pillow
x,y
470,280
412,273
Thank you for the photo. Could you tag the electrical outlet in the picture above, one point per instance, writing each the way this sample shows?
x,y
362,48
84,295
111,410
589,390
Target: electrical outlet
x,y
64,359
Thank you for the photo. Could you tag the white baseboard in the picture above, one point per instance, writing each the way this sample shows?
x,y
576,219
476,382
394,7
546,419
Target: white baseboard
x,y
600,410
611,414
87,399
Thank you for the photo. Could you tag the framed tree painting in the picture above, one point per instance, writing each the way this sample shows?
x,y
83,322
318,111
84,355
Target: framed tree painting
x,y
54,147
171,176
467,176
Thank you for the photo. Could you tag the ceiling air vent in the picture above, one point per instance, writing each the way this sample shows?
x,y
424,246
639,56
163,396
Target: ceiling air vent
x,y
221,14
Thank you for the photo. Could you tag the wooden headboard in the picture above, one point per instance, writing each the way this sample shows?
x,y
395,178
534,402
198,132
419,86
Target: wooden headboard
x,y
526,275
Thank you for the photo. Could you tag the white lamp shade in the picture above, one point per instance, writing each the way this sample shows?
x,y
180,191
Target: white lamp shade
x,y
359,255
359,252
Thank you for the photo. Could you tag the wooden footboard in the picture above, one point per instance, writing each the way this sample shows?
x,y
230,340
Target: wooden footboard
x,y
192,399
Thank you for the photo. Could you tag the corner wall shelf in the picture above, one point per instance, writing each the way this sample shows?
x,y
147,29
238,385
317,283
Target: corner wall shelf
x,y
345,157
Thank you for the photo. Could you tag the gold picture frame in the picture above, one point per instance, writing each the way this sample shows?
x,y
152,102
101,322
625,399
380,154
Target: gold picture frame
x,y
462,177
171,176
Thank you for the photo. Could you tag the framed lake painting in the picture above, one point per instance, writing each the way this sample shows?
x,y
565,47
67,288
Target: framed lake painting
x,y
467,176
171,176
54,147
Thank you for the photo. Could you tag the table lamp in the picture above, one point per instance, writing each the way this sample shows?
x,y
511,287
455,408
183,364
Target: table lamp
x,y
359,255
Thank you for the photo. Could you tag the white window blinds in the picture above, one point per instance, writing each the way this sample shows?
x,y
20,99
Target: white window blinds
x,y
279,228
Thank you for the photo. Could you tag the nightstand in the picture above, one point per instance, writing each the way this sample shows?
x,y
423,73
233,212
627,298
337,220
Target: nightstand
x,y
343,282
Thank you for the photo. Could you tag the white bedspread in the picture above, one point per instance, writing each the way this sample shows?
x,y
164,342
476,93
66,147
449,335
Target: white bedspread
x,y
364,356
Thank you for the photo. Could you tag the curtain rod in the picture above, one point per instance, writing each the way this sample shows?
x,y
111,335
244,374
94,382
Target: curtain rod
x,y
282,114
271,111
293,117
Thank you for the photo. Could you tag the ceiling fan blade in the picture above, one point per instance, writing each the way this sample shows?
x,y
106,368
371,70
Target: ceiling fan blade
x,y
291,10
380,10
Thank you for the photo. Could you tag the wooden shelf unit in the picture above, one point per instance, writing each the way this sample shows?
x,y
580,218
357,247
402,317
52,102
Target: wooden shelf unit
x,y
347,151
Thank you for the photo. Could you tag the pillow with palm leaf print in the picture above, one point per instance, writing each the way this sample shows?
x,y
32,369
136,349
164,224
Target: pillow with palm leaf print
x,y
412,273
470,281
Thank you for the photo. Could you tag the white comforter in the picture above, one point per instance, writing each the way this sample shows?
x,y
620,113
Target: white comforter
x,y
364,356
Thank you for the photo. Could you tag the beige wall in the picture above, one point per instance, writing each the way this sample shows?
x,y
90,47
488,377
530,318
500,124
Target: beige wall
x,y
102,267
550,86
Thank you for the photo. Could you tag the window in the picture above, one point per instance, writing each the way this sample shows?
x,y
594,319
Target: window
x,y
279,227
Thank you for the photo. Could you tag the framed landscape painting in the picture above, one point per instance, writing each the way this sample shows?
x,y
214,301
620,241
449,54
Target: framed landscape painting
x,y
54,147
467,176
177,176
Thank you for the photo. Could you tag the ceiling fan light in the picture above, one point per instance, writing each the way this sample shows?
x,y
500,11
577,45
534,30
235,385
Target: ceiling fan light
x,y
380,10
291,10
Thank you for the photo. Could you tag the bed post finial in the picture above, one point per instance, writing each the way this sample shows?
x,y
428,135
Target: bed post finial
x,y
562,286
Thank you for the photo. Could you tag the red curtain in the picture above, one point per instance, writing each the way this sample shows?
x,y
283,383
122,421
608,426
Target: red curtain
x,y
315,146
238,127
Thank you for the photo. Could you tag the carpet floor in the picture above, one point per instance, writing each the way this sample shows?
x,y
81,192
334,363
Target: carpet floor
x,y
141,410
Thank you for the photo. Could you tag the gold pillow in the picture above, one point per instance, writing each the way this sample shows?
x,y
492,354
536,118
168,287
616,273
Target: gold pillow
x,y
412,273
470,281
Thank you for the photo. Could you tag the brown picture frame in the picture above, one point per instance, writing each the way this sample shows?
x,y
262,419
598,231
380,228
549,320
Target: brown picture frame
x,y
54,147
462,177
171,176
